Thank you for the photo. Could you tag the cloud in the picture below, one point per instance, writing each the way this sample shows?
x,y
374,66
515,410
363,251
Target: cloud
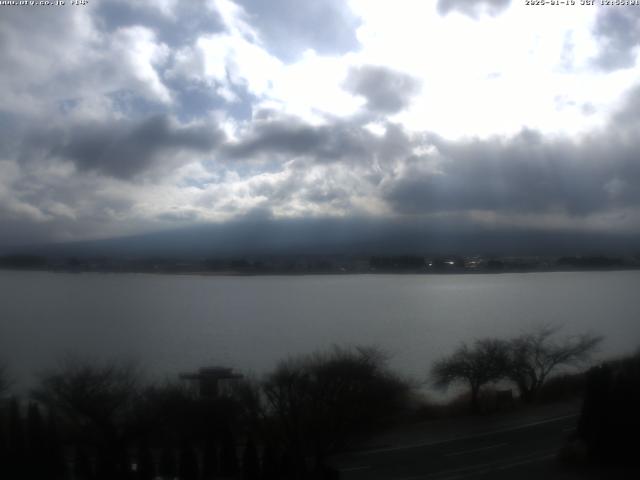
x,y
289,168
290,27
174,23
123,149
525,176
159,113
616,31
91,63
46,200
626,119
272,135
385,90
522,175
472,8
231,62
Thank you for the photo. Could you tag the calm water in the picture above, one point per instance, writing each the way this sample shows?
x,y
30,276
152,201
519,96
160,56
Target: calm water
x,y
172,323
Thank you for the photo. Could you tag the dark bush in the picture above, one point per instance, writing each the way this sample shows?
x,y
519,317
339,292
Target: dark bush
x,y
562,387
610,419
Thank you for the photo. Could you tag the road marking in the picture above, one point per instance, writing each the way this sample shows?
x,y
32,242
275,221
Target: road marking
x,y
455,439
569,429
355,469
482,468
455,454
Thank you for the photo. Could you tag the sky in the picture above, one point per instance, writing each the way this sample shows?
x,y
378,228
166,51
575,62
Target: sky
x,y
120,118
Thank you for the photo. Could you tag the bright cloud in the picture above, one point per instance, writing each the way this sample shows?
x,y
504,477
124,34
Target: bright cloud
x,y
123,117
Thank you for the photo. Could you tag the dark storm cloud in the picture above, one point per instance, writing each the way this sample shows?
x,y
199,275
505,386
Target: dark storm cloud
x,y
190,19
289,137
124,149
289,27
472,7
522,175
617,31
386,90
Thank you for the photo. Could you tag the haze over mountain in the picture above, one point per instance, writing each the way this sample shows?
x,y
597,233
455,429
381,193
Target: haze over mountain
x,y
320,126
355,237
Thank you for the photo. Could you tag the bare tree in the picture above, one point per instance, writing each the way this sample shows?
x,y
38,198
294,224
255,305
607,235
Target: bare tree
x,y
89,392
483,362
534,355
322,400
96,401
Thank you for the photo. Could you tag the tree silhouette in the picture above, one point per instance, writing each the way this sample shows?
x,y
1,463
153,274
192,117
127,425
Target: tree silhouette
x,y
210,459
483,362
610,420
16,461
107,463
95,397
4,454
270,469
146,470
250,462
167,467
83,469
323,400
123,465
188,462
55,461
288,468
228,454
36,443
96,402
534,355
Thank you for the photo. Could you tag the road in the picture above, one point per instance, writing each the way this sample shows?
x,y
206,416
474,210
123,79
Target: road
x,y
519,452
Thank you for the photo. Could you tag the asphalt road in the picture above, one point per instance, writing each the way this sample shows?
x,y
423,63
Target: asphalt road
x,y
518,452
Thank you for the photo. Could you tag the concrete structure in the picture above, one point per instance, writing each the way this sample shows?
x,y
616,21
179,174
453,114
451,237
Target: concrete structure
x,y
211,381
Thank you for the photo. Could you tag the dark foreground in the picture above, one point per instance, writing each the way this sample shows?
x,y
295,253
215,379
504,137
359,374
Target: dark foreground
x,y
518,452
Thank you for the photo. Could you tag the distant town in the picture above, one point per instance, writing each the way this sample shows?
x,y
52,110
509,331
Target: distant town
x,y
321,264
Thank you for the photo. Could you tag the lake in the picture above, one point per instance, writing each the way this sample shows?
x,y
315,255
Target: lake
x,y
172,323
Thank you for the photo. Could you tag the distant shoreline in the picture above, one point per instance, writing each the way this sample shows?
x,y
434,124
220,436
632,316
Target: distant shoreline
x,y
309,264
238,273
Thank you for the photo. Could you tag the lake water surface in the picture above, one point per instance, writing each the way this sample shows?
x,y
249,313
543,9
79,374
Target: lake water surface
x,y
171,323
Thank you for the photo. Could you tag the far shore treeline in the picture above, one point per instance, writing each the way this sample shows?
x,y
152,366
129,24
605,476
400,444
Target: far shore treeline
x,y
94,420
319,264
